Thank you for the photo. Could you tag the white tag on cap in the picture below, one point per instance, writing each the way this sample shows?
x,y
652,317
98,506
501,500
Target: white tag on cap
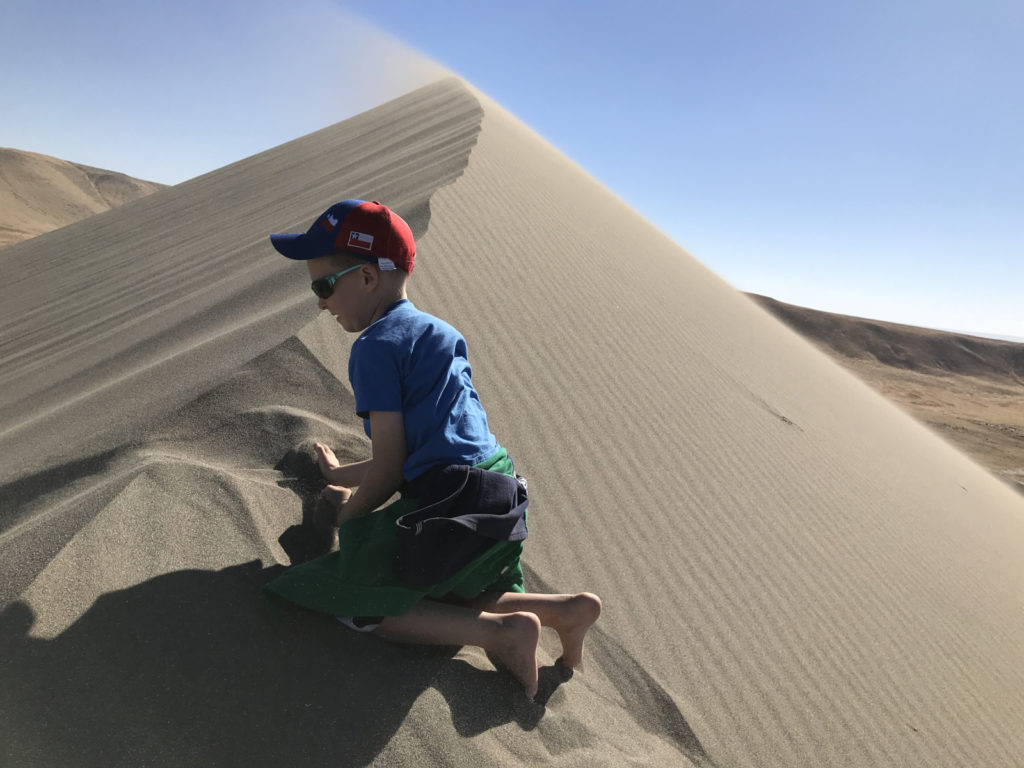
x,y
385,264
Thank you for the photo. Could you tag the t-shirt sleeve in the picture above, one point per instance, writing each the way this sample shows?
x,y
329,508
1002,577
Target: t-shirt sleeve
x,y
375,375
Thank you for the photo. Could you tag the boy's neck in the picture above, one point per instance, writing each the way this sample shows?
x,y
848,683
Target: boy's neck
x,y
388,298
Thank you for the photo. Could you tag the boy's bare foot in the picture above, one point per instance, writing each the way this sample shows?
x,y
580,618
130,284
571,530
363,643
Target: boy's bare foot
x,y
516,649
325,459
578,614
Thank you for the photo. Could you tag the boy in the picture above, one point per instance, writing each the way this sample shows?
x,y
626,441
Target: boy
x,y
428,431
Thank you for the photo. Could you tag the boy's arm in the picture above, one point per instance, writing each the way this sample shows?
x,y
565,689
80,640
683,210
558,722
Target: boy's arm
x,y
348,475
384,475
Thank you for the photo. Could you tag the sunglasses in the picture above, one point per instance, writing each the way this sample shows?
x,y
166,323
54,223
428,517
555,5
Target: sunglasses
x,y
323,287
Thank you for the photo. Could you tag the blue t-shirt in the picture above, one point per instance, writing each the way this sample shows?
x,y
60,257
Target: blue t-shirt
x,y
415,363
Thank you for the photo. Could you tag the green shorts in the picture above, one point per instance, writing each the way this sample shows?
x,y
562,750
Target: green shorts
x,y
357,580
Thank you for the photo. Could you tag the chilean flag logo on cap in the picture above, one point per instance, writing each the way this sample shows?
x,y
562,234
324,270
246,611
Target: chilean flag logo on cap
x,y
361,241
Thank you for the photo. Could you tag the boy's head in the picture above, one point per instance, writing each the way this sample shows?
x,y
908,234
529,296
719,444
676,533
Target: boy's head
x,y
359,256
367,230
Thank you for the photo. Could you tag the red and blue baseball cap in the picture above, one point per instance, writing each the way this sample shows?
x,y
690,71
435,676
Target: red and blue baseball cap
x,y
368,230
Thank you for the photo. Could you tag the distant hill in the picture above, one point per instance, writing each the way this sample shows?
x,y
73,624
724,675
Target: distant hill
x,y
969,389
903,346
39,193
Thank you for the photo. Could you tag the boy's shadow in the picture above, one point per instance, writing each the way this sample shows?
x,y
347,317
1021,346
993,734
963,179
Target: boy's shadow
x,y
201,668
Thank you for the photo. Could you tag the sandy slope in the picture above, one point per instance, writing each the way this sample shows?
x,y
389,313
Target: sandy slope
x,y
39,193
794,571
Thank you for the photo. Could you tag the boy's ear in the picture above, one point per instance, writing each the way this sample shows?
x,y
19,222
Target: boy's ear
x,y
369,276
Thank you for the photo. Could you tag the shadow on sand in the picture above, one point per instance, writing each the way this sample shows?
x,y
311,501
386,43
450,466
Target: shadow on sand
x,y
200,668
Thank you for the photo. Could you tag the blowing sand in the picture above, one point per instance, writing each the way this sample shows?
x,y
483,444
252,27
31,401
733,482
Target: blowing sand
x,y
794,572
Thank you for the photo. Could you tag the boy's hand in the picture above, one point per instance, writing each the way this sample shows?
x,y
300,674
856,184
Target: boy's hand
x,y
335,472
327,515
336,495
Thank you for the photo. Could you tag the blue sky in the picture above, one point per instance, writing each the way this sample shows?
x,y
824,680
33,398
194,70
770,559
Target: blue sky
x,y
860,158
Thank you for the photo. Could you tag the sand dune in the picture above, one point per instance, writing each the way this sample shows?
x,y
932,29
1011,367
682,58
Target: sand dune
x,y
39,193
794,571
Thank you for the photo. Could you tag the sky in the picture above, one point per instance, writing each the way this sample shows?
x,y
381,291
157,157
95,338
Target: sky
x,y
862,158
